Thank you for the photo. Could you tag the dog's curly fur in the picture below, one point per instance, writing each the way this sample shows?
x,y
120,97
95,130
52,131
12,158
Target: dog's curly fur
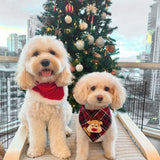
x,y
84,94
38,112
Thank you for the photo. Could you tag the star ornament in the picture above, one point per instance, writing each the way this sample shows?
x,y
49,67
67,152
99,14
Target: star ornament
x,y
91,9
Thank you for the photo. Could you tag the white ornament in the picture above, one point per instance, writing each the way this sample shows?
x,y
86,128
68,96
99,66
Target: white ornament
x,y
68,19
83,26
100,42
103,15
79,67
90,39
80,44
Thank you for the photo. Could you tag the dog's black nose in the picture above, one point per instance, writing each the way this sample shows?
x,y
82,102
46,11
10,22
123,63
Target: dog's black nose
x,y
100,98
45,62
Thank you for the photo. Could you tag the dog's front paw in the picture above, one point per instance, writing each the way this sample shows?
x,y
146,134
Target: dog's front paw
x,y
110,156
62,153
34,152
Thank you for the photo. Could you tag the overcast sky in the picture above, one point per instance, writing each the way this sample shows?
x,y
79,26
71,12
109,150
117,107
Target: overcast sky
x,y
131,17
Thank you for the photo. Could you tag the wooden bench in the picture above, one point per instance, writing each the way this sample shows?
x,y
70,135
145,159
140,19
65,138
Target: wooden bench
x,y
131,144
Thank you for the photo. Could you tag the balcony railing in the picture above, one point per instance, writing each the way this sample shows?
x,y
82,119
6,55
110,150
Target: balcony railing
x,y
142,82
142,104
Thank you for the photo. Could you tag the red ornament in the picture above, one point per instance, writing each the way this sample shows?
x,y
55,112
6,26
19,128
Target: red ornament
x,y
111,48
97,55
69,8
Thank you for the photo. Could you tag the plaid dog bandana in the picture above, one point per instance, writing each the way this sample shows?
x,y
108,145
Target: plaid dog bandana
x,y
95,122
50,91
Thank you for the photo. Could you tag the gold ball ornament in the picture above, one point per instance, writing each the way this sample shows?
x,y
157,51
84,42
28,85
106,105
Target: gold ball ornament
x,y
100,42
67,30
76,60
83,26
90,39
79,68
85,52
48,29
80,44
68,19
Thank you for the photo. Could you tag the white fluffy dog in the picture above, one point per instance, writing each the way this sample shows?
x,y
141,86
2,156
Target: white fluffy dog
x,y
96,92
44,71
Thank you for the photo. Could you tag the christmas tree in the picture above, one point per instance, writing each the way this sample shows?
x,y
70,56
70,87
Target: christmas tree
x,y
84,27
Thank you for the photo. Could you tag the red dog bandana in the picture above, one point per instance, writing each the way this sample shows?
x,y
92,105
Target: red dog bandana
x,y
50,91
95,122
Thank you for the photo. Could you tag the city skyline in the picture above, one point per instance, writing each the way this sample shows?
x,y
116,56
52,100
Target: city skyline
x,y
130,38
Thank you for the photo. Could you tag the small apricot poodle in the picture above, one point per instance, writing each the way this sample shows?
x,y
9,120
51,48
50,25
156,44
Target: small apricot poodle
x,y
97,92
43,70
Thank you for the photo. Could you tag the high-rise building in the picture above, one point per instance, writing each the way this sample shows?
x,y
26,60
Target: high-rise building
x,y
3,51
21,42
32,25
16,42
12,43
153,39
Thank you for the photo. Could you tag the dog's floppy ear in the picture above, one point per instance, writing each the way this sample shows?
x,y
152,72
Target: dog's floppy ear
x,y
80,91
65,77
24,79
119,95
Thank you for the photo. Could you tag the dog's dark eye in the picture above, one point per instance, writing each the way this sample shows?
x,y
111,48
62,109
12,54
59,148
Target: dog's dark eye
x,y
106,88
93,88
52,52
35,54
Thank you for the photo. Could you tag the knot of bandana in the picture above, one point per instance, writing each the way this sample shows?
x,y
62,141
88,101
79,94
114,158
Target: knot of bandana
x,y
50,91
95,122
